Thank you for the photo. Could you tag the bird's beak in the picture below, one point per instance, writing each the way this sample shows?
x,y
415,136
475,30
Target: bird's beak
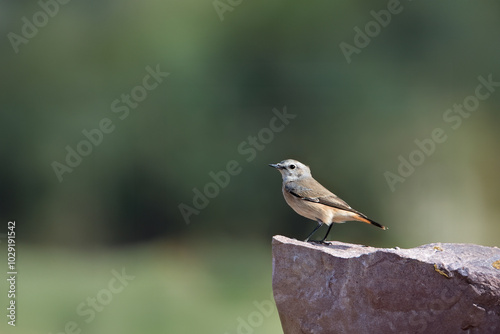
x,y
277,166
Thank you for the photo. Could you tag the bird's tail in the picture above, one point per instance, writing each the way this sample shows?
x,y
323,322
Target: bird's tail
x,y
367,220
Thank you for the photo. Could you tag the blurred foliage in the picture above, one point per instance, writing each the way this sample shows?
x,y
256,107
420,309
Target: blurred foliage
x,y
352,123
179,288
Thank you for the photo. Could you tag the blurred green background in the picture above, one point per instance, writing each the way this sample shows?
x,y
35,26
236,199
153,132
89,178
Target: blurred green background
x,y
230,63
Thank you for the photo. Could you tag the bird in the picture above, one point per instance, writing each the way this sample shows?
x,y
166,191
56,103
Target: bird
x,y
310,199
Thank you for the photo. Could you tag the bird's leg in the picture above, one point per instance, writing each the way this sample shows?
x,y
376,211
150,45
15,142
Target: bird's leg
x,y
310,235
329,228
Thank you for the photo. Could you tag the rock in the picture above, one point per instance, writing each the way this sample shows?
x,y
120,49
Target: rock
x,y
348,288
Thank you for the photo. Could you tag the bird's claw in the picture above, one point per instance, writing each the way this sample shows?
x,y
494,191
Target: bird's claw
x,y
321,242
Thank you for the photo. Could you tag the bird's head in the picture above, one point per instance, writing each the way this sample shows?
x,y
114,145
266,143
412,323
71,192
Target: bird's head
x,y
292,170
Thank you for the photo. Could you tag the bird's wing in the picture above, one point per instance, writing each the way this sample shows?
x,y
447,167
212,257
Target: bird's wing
x,y
312,191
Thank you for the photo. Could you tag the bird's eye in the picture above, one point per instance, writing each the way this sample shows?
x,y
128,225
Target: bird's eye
x,y
292,166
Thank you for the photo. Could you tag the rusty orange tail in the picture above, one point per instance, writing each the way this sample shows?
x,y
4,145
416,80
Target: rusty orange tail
x,y
367,220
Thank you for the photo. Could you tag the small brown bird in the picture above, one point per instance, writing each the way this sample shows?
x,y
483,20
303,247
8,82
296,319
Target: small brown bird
x,y
311,200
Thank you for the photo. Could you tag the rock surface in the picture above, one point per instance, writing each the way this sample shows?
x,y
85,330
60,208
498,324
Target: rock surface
x,y
347,288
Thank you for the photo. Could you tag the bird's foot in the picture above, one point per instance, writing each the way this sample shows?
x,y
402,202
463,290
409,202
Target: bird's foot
x,y
321,242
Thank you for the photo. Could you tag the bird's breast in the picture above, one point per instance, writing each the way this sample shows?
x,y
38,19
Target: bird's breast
x,y
308,209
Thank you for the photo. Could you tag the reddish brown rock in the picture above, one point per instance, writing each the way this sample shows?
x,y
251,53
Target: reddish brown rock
x,y
347,288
